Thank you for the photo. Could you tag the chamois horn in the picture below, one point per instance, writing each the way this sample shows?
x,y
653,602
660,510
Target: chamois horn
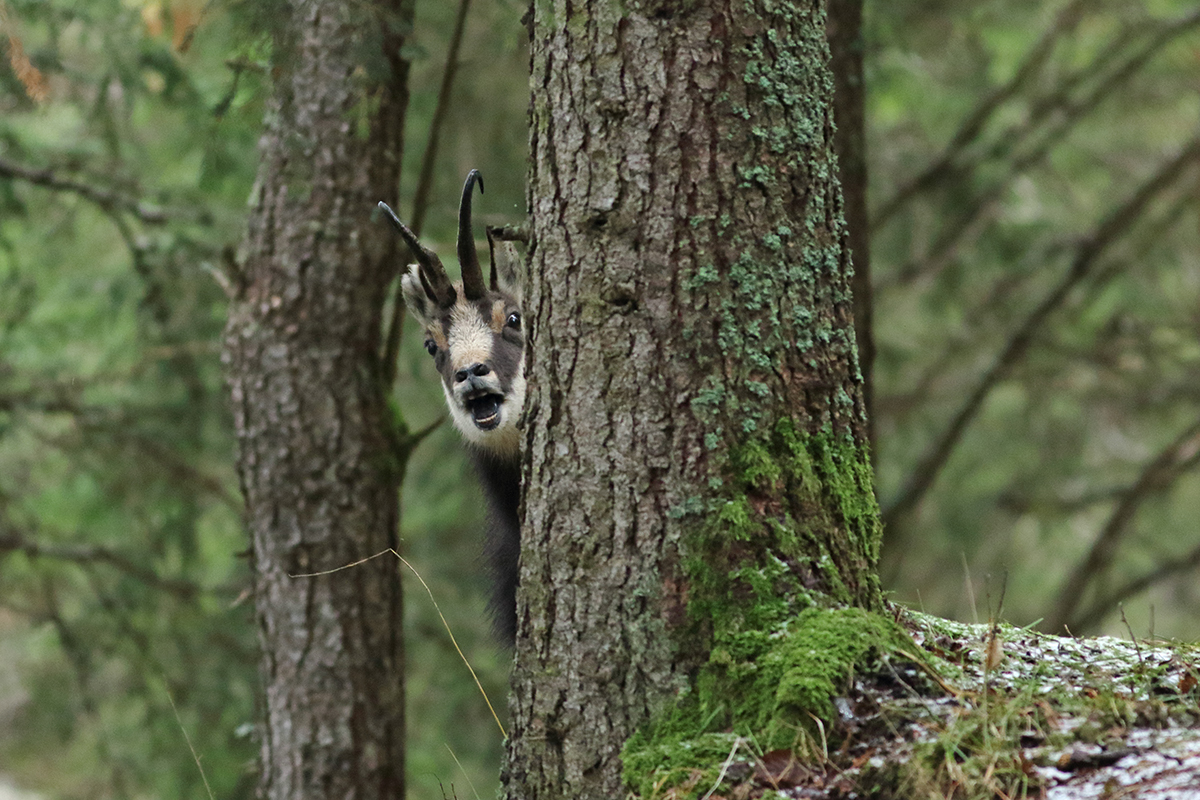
x,y
433,275
472,274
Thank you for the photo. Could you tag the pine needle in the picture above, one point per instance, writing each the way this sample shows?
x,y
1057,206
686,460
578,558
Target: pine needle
x,y
463,771
438,608
188,739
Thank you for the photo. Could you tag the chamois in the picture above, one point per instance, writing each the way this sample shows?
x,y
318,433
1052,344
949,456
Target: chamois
x,y
474,334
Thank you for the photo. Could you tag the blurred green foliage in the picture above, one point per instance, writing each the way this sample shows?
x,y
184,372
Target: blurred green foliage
x,y
125,628
1073,107
119,516
123,576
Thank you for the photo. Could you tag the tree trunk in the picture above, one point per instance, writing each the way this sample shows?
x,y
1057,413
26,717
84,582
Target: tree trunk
x,y
696,458
850,142
318,462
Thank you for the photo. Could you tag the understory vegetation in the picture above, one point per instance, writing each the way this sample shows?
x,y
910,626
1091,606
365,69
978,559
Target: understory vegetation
x,y
917,706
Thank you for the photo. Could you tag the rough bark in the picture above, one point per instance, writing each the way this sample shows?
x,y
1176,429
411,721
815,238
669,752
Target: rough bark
x,y
696,460
844,29
318,454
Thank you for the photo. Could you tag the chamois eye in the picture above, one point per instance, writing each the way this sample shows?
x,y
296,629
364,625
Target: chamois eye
x,y
514,321
431,347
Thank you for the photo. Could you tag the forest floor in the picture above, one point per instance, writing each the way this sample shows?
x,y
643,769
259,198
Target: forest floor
x,y
9,791
991,711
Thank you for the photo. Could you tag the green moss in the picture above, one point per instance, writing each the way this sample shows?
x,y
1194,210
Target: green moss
x,y
665,763
812,664
791,494
780,650
762,690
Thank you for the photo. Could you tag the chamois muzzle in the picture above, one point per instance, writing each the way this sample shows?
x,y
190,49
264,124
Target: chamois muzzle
x,y
485,410
475,369
476,385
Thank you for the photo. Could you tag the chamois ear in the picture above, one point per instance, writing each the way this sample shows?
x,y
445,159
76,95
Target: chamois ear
x,y
415,296
506,265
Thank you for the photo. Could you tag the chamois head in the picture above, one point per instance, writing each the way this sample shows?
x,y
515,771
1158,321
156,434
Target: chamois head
x,y
473,331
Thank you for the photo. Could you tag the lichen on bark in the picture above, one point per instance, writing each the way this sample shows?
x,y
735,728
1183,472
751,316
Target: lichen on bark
x,y
698,473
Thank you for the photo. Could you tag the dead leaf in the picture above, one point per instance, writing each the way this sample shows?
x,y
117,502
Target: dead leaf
x,y
780,769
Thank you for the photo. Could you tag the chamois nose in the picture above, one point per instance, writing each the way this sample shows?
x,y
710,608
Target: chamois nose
x,y
472,369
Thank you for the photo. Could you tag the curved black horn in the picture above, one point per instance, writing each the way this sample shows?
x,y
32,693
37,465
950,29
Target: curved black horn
x,y
468,258
433,274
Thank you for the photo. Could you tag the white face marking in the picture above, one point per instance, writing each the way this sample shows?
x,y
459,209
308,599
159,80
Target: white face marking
x,y
470,337
470,341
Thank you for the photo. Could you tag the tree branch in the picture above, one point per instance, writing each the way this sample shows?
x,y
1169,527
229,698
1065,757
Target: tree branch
x,y
1162,471
1065,113
973,125
965,340
1071,113
429,159
1094,613
106,199
12,540
1088,252
415,438
120,429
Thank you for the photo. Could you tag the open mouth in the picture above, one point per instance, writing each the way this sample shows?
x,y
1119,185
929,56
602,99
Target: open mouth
x,y
485,410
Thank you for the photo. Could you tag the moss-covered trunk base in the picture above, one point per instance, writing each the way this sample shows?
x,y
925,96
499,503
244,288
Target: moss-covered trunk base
x,y
850,704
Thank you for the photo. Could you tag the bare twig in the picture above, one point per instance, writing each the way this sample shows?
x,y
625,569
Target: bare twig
x,y
415,438
115,206
1067,114
1092,615
1086,89
180,468
1087,254
429,159
938,371
58,400
1108,71
1020,503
